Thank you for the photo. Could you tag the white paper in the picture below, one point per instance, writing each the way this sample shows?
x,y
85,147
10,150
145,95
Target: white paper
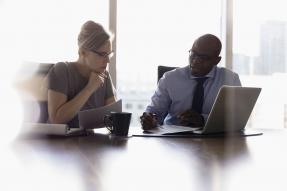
x,y
45,128
50,129
170,129
94,118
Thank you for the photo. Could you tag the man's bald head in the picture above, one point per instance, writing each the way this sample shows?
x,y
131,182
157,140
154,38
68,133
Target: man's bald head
x,y
204,54
207,44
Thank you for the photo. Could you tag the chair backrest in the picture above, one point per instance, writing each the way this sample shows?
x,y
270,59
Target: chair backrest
x,y
43,70
34,94
163,69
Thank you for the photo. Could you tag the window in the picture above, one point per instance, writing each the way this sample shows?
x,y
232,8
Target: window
x,y
152,33
260,57
35,31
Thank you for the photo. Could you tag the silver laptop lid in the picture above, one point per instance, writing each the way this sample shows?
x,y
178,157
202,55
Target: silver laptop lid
x,y
231,109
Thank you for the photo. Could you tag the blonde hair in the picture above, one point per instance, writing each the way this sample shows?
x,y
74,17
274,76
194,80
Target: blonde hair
x,y
92,36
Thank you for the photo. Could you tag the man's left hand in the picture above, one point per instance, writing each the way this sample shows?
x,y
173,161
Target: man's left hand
x,y
191,118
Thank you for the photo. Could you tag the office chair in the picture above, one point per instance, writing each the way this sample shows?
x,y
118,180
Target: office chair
x,y
33,92
163,69
43,104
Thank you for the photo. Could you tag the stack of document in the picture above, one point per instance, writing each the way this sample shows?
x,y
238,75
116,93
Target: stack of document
x,y
88,119
50,129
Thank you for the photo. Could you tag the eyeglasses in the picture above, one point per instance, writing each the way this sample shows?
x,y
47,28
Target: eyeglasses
x,y
104,54
199,57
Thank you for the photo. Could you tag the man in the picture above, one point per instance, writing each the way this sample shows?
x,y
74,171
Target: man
x,y
185,95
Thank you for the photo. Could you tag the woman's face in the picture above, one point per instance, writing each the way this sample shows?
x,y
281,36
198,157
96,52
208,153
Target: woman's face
x,y
97,61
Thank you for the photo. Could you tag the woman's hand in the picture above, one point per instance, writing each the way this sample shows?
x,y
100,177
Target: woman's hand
x,y
96,80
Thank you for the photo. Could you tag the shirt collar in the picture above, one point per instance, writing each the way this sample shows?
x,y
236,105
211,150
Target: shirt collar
x,y
211,74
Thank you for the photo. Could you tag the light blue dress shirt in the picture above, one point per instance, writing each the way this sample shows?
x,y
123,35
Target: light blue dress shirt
x,y
175,90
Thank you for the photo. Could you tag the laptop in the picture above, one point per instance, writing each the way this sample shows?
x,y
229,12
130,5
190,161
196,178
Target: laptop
x,y
231,110
229,115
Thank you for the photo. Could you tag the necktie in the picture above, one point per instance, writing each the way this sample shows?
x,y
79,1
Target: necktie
x,y
198,95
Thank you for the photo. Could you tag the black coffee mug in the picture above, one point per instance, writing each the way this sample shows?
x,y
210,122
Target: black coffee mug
x,y
118,123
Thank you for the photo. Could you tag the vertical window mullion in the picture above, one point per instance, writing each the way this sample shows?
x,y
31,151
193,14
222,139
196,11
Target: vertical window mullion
x,y
227,33
113,29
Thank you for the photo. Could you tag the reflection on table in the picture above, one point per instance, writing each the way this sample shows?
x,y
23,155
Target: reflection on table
x,y
104,162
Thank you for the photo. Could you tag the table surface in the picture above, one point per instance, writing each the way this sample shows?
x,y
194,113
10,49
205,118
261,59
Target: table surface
x,y
103,162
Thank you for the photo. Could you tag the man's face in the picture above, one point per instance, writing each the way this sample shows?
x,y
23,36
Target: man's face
x,y
202,59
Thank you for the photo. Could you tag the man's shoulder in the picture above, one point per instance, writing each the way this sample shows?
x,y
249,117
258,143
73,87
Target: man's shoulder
x,y
228,77
179,71
226,71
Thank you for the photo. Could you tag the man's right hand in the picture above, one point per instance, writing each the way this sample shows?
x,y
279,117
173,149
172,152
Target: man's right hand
x,y
148,121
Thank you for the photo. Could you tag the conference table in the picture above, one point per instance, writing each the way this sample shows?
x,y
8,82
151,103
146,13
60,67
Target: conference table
x,y
103,162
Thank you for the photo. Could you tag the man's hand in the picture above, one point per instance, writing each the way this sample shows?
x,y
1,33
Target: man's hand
x,y
148,121
191,118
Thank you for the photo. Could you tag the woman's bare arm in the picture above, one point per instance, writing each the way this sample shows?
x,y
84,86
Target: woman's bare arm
x,y
110,100
61,111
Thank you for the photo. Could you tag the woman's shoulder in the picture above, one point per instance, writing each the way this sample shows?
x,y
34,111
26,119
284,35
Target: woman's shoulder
x,y
61,67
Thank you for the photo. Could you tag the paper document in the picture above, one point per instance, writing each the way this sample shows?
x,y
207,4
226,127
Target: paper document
x,y
94,118
171,129
50,129
183,131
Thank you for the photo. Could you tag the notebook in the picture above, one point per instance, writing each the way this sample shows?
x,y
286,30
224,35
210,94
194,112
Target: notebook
x,y
229,114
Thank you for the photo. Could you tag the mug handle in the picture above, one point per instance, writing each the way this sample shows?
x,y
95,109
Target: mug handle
x,y
108,123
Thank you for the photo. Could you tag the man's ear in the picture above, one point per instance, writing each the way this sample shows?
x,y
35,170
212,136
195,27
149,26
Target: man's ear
x,y
218,60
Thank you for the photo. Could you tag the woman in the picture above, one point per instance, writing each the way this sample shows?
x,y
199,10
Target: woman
x,y
85,83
